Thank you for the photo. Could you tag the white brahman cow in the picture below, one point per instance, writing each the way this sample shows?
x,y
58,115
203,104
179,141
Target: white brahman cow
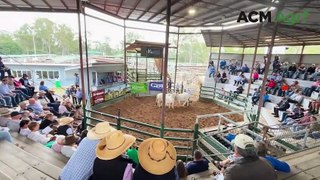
x,y
183,98
170,100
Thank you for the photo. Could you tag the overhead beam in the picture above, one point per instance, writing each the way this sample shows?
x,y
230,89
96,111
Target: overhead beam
x,y
193,2
105,5
148,9
47,4
267,3
134,8
9,3
26,9
117,13
64,4
27,2
162,9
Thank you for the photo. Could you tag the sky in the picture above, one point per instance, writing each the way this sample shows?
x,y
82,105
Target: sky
x,y
97,30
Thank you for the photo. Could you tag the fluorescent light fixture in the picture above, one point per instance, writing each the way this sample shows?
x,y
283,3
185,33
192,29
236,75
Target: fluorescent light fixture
x,y
192,11
268,40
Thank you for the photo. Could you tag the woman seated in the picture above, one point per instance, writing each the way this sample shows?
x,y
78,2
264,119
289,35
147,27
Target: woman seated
x,y
66,108
35,134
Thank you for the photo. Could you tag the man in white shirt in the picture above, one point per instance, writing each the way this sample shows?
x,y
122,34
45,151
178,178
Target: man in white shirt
x,y
35,106
14,123
296,97
5,91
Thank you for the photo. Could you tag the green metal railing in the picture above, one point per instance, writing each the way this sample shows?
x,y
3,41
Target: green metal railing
x,y
226,97
122,123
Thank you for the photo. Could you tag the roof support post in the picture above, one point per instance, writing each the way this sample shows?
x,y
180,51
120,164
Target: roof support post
x,y
125,51
254,58
86,49
242,56
81,55
301,55
267,67
219,55
165,64
177,56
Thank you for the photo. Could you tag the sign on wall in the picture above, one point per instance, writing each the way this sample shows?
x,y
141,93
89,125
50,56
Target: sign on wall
x,y
155,86
103,95
97,96
139,88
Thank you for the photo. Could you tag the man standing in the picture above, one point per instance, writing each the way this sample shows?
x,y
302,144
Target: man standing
x,y
77,80
247,164
4,69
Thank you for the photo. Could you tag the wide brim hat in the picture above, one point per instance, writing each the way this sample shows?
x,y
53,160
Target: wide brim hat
x,y
65,120
4,112
113,145
157,156
100,131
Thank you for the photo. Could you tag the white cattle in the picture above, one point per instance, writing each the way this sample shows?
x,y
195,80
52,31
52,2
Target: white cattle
x,y
170,100
183,98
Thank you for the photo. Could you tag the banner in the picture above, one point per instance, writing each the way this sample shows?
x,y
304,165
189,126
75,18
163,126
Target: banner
x,y
155,86
97,96
139,88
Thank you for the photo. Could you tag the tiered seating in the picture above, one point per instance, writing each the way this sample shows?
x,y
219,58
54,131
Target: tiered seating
x,y
16,163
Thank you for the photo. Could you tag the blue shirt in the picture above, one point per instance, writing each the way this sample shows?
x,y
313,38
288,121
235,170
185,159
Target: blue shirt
x,y
43,88
37,108
266,97
278,165
197,166
81,162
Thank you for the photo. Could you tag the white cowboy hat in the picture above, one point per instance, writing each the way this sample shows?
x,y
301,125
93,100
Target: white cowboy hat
x,y
4,112
100,131
157,156
65,120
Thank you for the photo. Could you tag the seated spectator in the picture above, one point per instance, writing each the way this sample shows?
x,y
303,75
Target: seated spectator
x,y
198,164
279,79
110,157
296,113
245,69
85,154
21,92
52,97
275,163
284,69
266,98
303,122
6,92
292,69
78,114
315,75
237,80
5,135
314,106
223,64
66,108
283,105
69,145
255,76
257,67
263,65
47,121
24,130
157,159
272,76
284,89
293,88
35,134
271,85
73,91
239,90
311,70
25,82
23,106
65,127
315,87
4,69
35,106
14,123
224,77
218,76
255,96
42,87
296,97
58,144
4,117
301,70
181,170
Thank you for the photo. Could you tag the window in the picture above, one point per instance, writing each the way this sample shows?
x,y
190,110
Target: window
x,y
18,73
47,74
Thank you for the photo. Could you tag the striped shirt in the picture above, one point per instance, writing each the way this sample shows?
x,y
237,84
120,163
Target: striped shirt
x,y
79,166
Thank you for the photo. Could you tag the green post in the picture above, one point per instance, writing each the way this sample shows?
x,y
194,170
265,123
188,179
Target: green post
x,y
195,136
162,130
118,120
84,119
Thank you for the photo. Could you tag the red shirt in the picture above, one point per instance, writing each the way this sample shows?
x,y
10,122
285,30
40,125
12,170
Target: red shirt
x,y
272,84
285,87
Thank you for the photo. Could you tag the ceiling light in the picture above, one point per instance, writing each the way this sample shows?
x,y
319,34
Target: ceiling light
x,y
192,11
268,40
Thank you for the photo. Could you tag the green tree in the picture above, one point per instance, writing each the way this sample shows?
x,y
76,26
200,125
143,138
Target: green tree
x,y
65,39
8,45
24,37
45,31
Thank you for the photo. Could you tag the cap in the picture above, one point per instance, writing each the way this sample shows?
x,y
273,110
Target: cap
x,y
242,141
14,113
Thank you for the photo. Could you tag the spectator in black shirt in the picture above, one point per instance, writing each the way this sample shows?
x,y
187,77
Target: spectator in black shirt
x,y
4,69
292,69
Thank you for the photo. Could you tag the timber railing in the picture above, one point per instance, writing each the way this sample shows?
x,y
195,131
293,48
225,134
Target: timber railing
x,y
184,140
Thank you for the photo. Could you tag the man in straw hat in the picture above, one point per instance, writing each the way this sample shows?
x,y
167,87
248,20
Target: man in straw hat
x,y
157,159
80,164
4,117
110,163
248,165
65,127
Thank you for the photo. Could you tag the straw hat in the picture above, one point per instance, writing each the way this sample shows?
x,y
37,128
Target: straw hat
x,y
157,156
4,112
69,140
100,131
113,145
65,120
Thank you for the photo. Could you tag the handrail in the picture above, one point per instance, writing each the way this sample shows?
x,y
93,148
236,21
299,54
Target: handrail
x,y
140,123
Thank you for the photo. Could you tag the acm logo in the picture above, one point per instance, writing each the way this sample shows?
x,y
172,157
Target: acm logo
x,y
281,17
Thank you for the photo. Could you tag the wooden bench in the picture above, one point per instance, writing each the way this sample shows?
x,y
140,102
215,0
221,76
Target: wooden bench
x,y
19,164
40,150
